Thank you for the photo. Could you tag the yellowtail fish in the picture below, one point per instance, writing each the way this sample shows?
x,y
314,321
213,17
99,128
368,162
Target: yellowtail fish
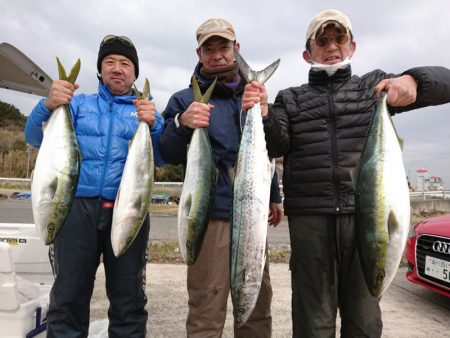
x,y
199,186
135,190
55,176
382,202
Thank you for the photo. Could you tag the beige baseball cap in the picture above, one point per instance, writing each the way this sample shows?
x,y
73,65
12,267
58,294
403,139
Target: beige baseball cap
x,y
322,19
215,27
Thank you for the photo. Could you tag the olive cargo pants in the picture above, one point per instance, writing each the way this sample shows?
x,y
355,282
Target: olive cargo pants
x,y
208,284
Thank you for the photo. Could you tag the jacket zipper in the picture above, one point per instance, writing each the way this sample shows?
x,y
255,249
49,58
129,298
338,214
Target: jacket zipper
x,y
108,150
334,145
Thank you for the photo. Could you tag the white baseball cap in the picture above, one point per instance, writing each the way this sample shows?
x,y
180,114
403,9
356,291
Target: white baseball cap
x,y
325,17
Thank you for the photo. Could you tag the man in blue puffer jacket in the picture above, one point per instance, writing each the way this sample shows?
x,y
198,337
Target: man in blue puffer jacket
x,y
104,125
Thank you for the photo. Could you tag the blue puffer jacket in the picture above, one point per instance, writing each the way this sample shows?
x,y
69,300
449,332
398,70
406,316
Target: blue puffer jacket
x,y
104,125
224,133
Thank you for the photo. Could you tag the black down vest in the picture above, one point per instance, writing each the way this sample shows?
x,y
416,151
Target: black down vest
x,y
320,128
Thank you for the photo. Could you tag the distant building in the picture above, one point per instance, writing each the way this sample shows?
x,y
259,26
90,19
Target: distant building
x,y
422,179
436,183
425,182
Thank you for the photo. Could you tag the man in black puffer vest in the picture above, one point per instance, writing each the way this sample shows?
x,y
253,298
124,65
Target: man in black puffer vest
x,y
320,129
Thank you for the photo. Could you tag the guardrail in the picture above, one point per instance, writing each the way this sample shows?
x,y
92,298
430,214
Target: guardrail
x,y
28,180
15,179
424,195
168,184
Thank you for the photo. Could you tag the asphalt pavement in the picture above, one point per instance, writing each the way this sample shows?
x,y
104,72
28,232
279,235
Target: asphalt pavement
x,y
162,228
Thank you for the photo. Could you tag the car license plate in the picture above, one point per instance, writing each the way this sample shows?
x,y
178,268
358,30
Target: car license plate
x,y
437,268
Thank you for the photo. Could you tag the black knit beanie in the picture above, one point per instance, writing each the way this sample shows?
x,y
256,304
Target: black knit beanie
x,y
117,47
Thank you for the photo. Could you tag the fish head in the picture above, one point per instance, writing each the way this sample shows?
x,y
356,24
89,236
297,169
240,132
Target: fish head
x,y
377,286
191,253
374,265
240,314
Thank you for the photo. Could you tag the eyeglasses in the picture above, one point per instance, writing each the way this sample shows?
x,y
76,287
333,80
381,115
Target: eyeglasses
x,y
112,38
324,40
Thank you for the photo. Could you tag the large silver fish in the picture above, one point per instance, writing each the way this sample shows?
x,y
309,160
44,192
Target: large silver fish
x,y
251,198
199,186
57,169
382,202
134,194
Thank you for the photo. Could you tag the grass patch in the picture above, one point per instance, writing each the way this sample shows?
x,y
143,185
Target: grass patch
x,y
164,252
279,254
163,209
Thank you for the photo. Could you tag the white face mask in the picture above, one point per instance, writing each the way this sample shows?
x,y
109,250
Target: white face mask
x,y
330,69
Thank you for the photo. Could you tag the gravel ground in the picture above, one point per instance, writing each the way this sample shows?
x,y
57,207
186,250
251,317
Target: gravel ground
x,y
408,310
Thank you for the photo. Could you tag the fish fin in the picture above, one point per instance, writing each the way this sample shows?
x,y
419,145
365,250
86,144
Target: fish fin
x,y
137,92
74,72
392,224
188,205
209,91
44,125
80,156
61,71
245,69
138,202
251,75
382,104
263,75
53,187
400,140
146,90
196,89
354,175
272,167
145,94
198,94
215,177
242,120
231,171
118,194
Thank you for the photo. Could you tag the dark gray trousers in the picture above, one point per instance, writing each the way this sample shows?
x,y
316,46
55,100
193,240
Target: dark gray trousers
x,y
76,251
327,276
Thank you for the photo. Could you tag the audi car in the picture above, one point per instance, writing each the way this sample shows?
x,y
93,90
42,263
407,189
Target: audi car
x,y
428,254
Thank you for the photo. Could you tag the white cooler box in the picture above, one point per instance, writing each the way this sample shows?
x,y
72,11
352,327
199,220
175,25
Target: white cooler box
x,y
28,252
25,281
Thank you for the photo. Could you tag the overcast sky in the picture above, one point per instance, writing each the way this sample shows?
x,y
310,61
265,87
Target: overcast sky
x,y
390,35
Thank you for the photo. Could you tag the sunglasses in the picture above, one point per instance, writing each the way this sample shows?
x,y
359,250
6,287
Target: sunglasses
x,y
324,40
112,38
